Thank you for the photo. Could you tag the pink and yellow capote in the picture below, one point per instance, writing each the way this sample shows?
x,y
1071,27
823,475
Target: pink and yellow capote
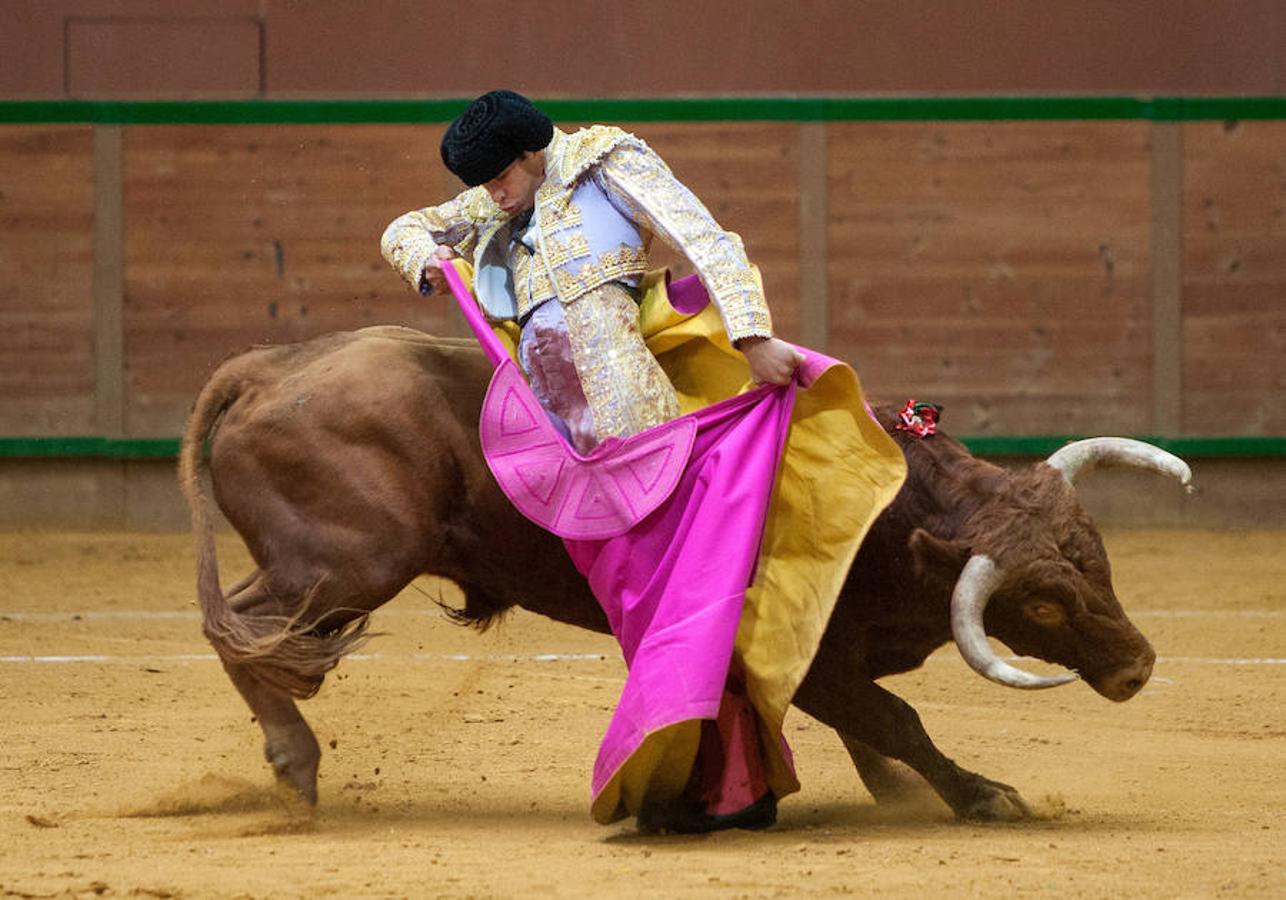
x,y
716,543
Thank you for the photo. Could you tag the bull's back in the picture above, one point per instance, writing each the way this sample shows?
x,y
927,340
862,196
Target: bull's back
x,y
350,434
349,377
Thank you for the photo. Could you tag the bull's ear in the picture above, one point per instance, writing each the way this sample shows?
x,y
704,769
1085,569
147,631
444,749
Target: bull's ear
x,y
936,558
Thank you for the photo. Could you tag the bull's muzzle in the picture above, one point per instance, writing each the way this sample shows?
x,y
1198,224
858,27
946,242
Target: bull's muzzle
x,y
1125,682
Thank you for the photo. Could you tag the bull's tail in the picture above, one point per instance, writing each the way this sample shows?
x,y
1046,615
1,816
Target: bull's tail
x,y
286,652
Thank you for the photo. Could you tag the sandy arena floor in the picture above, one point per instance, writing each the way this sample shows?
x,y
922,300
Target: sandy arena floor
x,y
458,765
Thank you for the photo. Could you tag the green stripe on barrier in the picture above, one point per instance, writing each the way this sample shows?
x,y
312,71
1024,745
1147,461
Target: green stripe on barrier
x,y
88,447
1179,109
644,109
229,112
1205,447
1037,445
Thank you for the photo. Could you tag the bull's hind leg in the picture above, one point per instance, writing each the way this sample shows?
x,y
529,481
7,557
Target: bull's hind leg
x,y
861,710
326,598
289,745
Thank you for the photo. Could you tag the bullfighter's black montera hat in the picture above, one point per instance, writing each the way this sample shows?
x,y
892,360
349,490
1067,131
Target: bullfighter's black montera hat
x,y
491,133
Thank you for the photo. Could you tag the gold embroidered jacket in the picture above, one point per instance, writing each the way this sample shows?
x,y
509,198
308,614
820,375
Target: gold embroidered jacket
x,y
605,195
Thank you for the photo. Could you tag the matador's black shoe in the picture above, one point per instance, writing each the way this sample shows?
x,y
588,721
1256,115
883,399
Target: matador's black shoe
x,y
684,817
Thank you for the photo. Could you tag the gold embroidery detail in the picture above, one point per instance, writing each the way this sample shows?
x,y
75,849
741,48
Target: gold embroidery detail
x,y
569,286
521,264
532,285
624,385
542,288
579,151
560,214
624,261
558,253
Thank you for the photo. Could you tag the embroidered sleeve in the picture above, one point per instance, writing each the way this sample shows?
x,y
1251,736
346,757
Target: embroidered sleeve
x,y
641,185
410,240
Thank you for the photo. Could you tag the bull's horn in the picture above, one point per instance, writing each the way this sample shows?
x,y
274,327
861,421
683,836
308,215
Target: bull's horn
x,y
1118,451
978,581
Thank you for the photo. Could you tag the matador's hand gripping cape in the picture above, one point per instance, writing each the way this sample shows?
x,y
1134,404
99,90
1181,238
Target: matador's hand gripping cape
x,y
727,531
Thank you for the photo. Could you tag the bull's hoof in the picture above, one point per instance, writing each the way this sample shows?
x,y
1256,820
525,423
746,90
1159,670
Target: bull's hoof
x,y
991,801
302,783
295,769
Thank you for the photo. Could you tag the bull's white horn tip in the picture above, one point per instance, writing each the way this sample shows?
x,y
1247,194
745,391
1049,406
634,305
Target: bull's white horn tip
x,y
1031,682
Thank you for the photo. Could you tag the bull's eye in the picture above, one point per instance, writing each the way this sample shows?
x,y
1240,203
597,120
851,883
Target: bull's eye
x,y
1044,612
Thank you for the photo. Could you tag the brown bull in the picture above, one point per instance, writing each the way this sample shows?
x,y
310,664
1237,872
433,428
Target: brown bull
x,y
350,464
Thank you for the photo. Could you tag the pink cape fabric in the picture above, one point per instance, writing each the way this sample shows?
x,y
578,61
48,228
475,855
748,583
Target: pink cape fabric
x,y
673,585
674,582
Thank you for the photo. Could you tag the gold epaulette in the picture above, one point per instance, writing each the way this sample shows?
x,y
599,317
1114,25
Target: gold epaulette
x,y
585,147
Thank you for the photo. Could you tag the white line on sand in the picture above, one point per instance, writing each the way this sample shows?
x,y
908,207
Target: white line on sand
x,y
539,657
194,615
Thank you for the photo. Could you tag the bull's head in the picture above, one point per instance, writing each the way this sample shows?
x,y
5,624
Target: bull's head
x,y
1037,577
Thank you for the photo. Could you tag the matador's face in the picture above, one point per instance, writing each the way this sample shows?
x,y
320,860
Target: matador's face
x,y
514,189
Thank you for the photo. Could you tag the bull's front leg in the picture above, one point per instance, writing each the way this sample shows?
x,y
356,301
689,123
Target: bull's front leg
x,y
888,780
872,719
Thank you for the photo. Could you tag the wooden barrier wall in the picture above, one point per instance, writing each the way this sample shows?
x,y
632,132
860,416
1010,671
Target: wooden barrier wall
x,y
1002,271
1005,269
47,378
1234,284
